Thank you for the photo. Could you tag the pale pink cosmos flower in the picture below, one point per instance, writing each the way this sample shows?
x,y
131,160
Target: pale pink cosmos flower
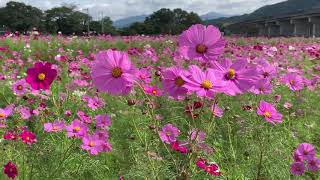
x,y
201,43
169,133
203,83
76,129
216,110
92,143
294,81
102,121
6,112
56,126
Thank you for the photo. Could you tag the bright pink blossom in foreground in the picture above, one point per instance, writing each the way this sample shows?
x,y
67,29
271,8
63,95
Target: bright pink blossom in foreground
x,y
305,151
201,43
297,168
28,137
113,72
203,83
173,82
294,81
239,76
269,112
41,76
10,169
169,133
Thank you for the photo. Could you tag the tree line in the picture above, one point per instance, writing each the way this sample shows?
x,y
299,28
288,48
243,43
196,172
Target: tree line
x,y
17,16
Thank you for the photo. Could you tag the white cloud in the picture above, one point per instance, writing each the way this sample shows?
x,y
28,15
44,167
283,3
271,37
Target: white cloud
x,y
117,9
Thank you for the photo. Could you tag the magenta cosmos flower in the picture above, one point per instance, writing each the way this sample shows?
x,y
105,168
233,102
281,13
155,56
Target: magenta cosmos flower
x,y
92,143
10,169
269,112
102,121
28,137
173,82
238,76
169,133
76,129
113,72
41,76
297,168
204,84
314,164
6,112
293,81
201,43
305,151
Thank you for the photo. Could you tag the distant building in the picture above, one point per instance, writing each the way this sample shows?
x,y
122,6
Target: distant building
x,y
306,24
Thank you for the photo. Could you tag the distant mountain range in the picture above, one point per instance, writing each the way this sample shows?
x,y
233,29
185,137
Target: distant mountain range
x,y
126,22
280,9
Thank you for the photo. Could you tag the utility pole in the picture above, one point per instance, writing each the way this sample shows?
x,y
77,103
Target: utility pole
x,y
102,23
88,25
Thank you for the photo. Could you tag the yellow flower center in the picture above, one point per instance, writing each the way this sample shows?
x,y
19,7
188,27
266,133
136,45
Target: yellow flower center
x,y
91,143
19,87
28,138
231,73
55,128
116,72
206,84
2,115
292,82
41,76
267,114
201,48
154,92
179,81
168,133
76,129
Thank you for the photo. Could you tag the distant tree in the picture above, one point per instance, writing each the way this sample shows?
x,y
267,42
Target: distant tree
x,y
166,21
66,19
104,26
20,17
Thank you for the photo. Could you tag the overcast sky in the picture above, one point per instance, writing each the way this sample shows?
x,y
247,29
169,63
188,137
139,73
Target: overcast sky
x,y
117,9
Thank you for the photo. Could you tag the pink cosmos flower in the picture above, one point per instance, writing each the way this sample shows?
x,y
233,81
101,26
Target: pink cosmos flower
x,y
10,169
169,133
314,164
305,151
262,86
92,143
25,112
56,126
201,43
41,76
153,91
173,82
28,137
197,135
113,72
10,135
210,168
179,147
269,112
84,117
239,77
297,168
20,87
6,112
204,84
144,75
76,129
293,81
216,110
102,121
95,103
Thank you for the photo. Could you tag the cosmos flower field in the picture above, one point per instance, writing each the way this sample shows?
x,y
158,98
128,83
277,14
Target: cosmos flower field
x,y
194,106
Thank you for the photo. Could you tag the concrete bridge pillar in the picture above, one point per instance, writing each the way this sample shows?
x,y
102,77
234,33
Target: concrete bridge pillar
x,y
273,29
302,27
315,21
286,28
